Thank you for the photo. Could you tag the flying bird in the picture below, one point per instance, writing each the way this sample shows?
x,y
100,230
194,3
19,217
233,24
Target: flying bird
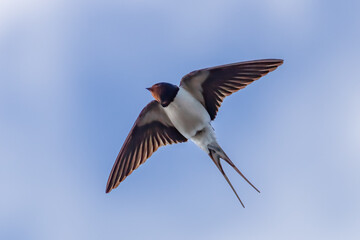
x,y
184,112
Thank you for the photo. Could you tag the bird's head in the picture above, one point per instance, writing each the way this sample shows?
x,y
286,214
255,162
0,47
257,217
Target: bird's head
x,y
164,93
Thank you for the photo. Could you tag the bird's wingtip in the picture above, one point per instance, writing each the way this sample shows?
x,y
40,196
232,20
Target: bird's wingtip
x,y
278,61
108,189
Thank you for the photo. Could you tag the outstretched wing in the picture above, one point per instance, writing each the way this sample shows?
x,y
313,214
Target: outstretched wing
x,y
211,85
151,130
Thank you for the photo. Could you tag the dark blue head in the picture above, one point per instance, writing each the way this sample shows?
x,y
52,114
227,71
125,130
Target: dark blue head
x,y
164,93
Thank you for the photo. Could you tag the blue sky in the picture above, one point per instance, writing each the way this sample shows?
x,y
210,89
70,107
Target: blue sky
x,y
72,82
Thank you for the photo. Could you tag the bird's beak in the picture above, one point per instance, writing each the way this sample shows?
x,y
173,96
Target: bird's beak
x,y
149,89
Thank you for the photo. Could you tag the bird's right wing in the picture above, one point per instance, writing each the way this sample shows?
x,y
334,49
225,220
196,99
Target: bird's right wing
x,y
151,130
211,85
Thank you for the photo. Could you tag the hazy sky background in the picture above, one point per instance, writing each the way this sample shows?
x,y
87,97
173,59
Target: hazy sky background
x,y
72,82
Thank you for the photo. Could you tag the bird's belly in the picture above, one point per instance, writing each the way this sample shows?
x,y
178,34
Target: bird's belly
x,y
187,114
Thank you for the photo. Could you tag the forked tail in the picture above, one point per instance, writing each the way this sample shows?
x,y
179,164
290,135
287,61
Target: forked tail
x,y
215,153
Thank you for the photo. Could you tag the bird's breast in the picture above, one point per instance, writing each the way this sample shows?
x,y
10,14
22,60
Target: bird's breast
x,y
187,114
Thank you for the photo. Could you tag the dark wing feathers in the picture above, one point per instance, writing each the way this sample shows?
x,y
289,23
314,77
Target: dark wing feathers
x,y
151,130
211,85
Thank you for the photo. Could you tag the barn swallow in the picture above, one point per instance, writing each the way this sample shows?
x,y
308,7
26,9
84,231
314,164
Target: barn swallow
x,y
184,112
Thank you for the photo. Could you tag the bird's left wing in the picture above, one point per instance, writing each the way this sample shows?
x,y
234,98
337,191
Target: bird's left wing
x,y
211,85
151,130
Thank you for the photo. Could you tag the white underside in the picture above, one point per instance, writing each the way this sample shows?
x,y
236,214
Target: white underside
x,y
189,117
